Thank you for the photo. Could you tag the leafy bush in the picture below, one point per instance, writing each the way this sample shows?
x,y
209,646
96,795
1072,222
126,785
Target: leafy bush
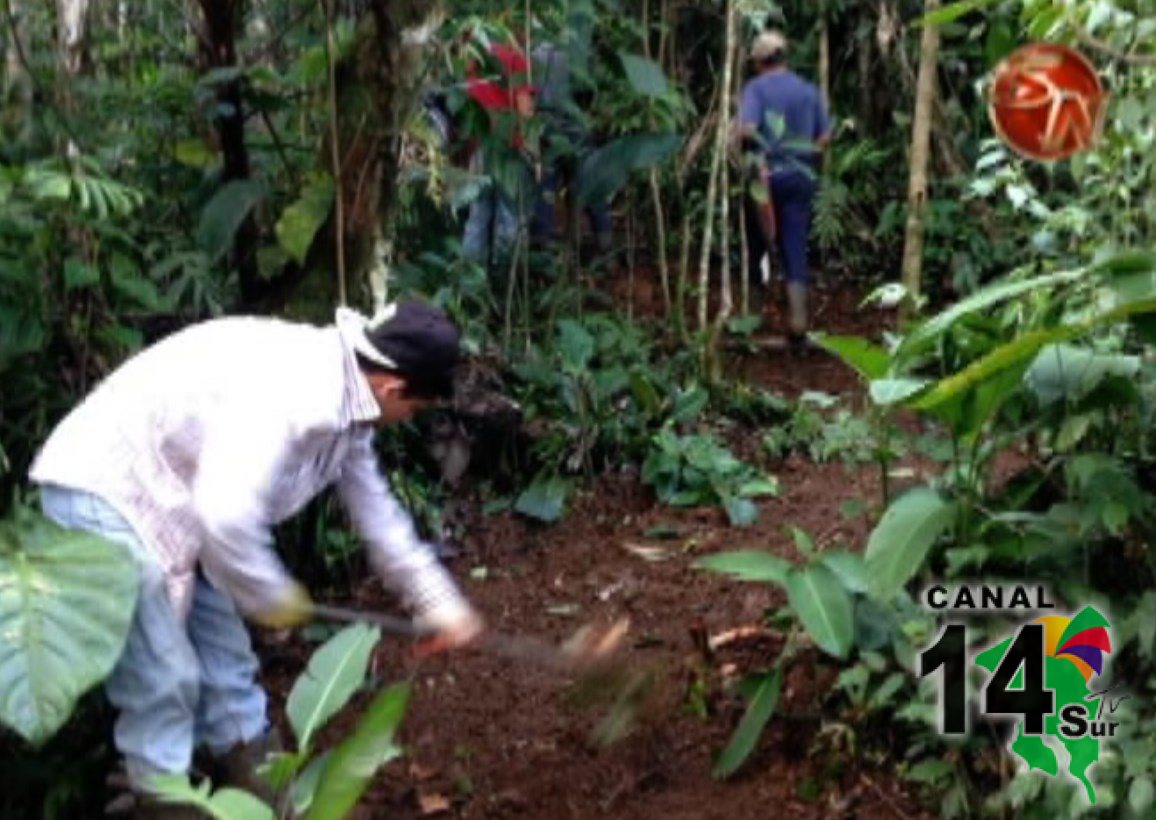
x,y
325,786
829,600
693,470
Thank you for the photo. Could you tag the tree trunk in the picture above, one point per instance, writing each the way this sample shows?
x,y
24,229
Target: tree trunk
x,y
72,57
388,68
17,81
722,139
920,140
72,35
863,69
217,49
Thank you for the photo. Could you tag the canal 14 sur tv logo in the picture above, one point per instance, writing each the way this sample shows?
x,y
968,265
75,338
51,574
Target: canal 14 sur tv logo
x,y
1041,673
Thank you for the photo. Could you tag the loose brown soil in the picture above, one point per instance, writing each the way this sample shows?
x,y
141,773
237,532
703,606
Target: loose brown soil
x,y
491,738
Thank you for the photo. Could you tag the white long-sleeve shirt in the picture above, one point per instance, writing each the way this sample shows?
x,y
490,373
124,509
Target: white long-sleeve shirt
x,y
207,439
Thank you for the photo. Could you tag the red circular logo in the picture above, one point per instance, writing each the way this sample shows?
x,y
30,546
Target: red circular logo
x,y
1046,101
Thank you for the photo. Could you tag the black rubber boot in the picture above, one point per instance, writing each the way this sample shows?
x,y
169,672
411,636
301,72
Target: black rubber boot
x,y
237,768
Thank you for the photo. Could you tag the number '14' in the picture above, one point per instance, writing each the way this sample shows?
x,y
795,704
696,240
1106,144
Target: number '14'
x,y
1028,697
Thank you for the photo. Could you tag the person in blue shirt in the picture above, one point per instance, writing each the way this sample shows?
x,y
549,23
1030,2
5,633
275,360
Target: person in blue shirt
x,y
785,116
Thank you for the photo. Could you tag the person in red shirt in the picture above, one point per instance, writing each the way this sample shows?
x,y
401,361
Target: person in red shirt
x,y
494,222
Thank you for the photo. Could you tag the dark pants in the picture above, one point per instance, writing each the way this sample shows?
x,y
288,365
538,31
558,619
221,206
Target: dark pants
x,y
542,226
792,193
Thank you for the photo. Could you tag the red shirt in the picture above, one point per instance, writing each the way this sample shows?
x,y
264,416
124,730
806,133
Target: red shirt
x,y
495,96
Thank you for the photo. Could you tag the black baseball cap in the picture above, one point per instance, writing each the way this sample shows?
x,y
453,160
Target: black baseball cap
x,y
416,340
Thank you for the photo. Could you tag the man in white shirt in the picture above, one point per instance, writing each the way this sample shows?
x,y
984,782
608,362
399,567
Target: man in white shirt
x,y
189,453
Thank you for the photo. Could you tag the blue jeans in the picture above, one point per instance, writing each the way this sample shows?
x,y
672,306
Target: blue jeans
x,y
178,684
491,227
792,193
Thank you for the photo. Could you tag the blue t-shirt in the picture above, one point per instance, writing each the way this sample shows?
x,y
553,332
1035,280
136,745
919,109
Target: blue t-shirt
x,y
789,115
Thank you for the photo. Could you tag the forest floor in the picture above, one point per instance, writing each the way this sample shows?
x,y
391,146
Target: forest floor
x,y
487,737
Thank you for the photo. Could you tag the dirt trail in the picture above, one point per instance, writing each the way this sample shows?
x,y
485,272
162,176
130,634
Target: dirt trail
x,y
489,739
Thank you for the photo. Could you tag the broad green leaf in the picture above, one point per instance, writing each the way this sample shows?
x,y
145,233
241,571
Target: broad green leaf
x,y
893,391
900,541
747,565
66,602
849,568
194,153
1126,264
607,168
335,672
821,601
224,214
279,768
644,392
1068,373
545,499
353,764
934,327
79,274
645,75
575,344
1024,347
750,728
300,221
868,360
741,512
223,804
305,787
1141,795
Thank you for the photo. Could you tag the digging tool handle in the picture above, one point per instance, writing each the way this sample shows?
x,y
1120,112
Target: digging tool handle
x,y
507,646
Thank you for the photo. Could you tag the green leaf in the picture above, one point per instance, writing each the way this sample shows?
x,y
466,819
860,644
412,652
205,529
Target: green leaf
x,y
881,698
353,764
900,541
336,670
1069,373
606,169
952,12
224,214
305,787
750,728
133,284
644,392
982,300
1025,346
741,512
223,804
930,771
820,600
645,75
575,344
66,602
300,221
893,391
78,274
279,768
764,485
747,565
545,499
868,360
848,567
1141,795
195,154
